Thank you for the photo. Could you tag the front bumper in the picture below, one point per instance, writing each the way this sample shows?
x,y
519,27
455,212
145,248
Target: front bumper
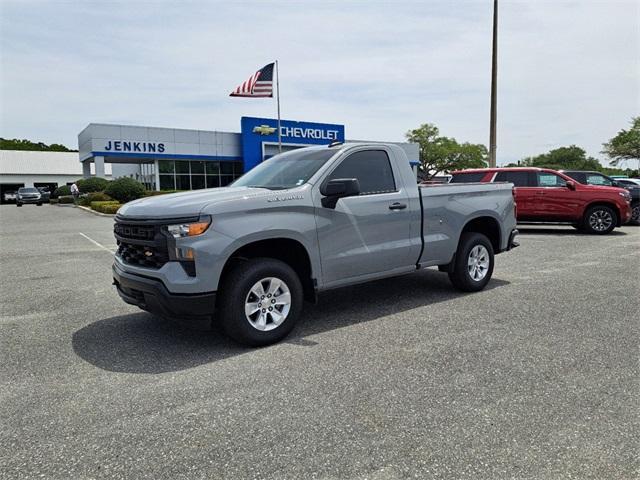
x,y
28,200
151,295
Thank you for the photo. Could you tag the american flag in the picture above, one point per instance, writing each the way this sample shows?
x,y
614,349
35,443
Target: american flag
x,y
260,84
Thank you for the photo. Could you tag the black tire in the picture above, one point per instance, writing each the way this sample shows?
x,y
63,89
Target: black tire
x,y
635,214
18,204
590,222
459,275
236,290
39,204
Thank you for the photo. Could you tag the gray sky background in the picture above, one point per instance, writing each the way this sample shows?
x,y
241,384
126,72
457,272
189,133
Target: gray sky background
x,y
569,70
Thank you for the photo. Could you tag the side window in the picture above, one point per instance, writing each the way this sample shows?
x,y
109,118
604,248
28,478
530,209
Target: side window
x,y
595,179
372,169
547,179
519,179
578,177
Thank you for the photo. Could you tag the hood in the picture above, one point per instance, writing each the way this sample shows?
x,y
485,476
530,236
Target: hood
x,y
186,204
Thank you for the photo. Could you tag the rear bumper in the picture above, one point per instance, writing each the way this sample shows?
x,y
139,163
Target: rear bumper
x,y
151,295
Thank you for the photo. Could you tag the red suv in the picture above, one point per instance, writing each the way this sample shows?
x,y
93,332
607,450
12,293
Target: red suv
x,y
544,195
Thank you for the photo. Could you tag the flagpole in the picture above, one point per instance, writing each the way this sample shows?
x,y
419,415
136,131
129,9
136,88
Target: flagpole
x,y
278,100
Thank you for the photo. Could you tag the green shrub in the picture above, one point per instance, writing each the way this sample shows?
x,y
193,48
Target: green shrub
x,y
65,199
125,189
106,207
97,204
61,190
86,199
111,209
92,184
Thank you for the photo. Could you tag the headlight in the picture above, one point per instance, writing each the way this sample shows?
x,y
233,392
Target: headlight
x,y
189,229
625,195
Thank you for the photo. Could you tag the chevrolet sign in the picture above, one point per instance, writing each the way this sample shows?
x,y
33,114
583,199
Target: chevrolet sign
x,y
264,129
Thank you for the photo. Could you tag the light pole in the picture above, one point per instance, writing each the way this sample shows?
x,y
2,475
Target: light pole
x,y
494,86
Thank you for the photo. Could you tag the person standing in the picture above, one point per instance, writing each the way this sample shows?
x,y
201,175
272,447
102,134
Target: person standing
x,y
75,191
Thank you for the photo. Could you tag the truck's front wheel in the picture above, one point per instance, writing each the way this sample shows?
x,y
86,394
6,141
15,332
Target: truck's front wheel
x,y
260,301
473,265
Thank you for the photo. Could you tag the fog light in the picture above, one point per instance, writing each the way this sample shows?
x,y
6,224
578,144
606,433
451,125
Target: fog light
x,y
185,253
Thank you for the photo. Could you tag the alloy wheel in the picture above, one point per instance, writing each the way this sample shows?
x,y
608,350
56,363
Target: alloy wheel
x,y
267,304
478,263
600,220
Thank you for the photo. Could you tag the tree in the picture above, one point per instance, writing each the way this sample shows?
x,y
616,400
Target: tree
x,y
443,154
18,144
563,158
625,145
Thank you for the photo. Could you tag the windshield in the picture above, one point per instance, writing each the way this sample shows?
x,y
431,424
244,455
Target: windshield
x,y
28,190
287,170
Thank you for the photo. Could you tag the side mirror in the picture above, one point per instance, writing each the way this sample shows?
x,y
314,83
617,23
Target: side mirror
x,y
338,188
571,185
616,184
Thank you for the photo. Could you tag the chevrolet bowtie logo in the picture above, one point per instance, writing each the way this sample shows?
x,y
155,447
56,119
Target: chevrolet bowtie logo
x,y
264,129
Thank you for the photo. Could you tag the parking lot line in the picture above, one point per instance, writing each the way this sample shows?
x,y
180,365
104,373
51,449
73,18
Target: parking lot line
x,y
96,243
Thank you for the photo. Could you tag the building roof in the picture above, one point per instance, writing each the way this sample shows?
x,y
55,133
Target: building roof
x,y
27,162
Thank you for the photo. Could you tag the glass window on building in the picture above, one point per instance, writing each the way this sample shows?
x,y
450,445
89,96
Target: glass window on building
x,y
197,168
213,168
183,182
213,181
166,166
197,174
167,182
226,168
197,182
182,167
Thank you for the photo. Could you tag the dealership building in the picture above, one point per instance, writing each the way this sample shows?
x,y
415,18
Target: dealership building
x,y
167,158
178,159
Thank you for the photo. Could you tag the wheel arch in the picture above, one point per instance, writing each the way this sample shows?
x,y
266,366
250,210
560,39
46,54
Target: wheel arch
x,y
288,250
488,226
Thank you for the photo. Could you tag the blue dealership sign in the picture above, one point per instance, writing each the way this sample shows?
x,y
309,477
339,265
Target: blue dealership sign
x,y
259,131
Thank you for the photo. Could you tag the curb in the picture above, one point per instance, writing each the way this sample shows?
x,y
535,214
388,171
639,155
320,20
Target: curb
x,y
87,209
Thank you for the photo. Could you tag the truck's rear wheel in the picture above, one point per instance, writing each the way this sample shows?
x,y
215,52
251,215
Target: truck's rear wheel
x,y
473,265
260,301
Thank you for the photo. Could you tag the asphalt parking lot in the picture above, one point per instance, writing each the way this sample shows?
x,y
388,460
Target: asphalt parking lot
x,y
536,377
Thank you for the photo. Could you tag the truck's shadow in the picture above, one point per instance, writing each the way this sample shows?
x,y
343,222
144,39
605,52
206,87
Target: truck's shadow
x,y
142,343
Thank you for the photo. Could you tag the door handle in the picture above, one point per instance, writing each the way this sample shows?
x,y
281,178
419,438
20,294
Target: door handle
x,y
397,206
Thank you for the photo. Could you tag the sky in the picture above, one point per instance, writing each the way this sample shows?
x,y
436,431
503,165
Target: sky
x,y
569,71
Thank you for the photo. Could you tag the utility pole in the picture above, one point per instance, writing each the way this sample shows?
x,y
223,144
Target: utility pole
x,y
494,87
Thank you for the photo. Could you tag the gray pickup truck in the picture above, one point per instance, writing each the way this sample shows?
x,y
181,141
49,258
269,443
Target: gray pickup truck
x,y
299,223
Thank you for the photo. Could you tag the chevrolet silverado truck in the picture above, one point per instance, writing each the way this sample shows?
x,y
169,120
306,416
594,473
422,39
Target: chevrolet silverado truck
x,y
300,223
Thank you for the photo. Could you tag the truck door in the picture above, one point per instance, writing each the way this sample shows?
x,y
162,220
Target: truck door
x,y
554,200
368,233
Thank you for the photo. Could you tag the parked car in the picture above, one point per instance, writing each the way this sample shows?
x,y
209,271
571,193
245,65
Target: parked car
x,y
28,195
302,222
46,194
544,195
9,196
628,182
599,179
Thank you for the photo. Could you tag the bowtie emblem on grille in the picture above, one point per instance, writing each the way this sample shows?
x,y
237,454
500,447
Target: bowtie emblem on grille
x,y
148,253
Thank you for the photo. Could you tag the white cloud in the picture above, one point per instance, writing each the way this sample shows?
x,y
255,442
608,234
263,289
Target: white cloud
x,y
569,71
